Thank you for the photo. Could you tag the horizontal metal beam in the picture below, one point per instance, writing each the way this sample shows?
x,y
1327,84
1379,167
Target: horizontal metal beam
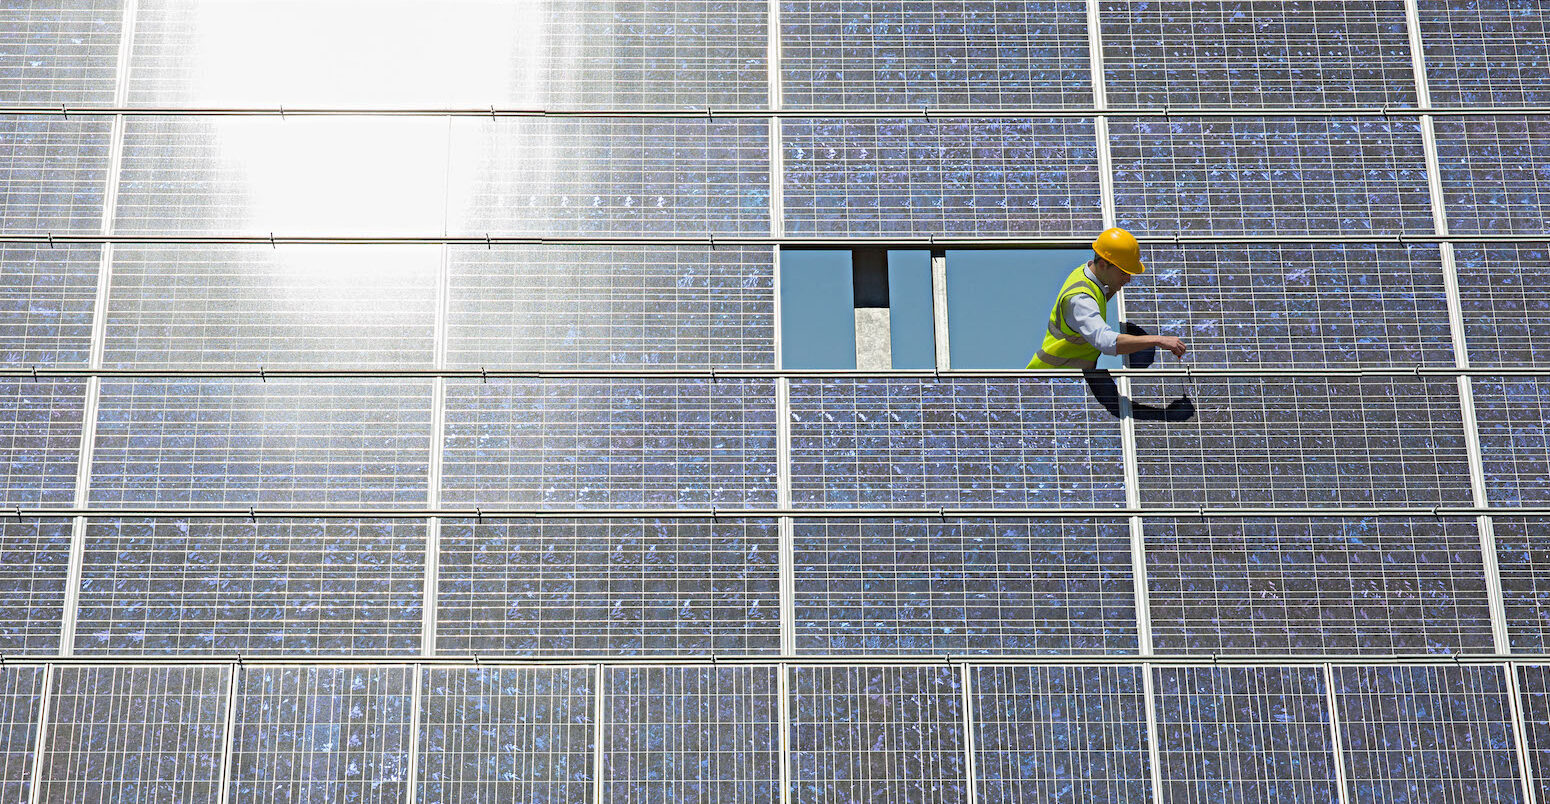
x,y
713,241
702,113
262,374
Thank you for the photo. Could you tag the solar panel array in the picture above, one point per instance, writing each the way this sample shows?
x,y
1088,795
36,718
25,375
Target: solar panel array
x,y
393,404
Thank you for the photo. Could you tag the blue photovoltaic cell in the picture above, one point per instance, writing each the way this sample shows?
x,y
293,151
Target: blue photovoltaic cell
x,y
135,734
692,734
46,300
996,54
21,696
1304,305
322,734
1244,734
557,587
1523,562
1060,734
1511,413
557,306
1534,698
179,586
1012,586
609,176
971,442
1322,586
202,442
610,443
1427,733
1270,175
59,52
1486,52
506,734
877,733
1504,290
34,562
244,306
1304,441
53,173
1259,53
1495,173
40,440
1017,177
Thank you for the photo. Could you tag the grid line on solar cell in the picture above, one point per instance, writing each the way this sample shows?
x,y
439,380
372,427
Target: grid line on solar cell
x,y
1244,734
1260,53
1270,175
1427,733
1020,177
877,733
1013,586
180,586
643,306
557,587
214,305
1338,586
322,734
21,695
1523,563
46,300
1060,733
986,55
59,52
1329,305
552,54
493,735
692,734
1305,441
192,443
135,734
1511,415
1486,52
1495,173
1534,698
1504,289
34,561
612,177
40,437
604,443
53,173
982,442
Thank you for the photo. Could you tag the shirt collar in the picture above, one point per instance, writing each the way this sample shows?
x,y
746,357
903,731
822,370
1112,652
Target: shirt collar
x,y
1108,292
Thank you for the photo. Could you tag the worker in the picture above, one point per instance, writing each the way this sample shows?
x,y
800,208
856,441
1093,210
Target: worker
x,y
1078,325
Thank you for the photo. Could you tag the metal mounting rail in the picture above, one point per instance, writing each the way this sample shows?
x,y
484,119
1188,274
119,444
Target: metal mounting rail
x,y
491,240
264,374
704,113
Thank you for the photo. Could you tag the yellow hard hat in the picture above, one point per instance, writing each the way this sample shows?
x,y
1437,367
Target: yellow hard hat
x,y
1120,247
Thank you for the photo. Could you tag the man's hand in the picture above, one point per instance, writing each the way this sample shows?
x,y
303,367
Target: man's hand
x,y
1170,343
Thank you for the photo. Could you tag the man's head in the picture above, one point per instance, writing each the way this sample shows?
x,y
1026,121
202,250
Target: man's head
x,y
1110,274
1117,257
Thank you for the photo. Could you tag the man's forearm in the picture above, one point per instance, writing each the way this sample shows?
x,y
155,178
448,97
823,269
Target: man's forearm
x,y
1130,344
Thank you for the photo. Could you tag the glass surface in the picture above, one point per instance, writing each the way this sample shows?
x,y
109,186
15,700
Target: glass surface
x,y
1523,560
21,698
1486,52
911,325
34,567
999,302
1504,292
59,52
1534,700
817,309
1514,448
1495,173
40,439
47,296
53,174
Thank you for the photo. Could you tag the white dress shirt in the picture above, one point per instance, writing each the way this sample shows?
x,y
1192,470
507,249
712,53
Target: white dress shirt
x,y
1083,315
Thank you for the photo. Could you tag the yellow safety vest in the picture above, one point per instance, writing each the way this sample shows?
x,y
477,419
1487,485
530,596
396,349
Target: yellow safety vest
x,y
1063,346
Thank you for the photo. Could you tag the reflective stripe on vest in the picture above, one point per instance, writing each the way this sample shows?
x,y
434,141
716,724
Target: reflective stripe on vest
x,y
1063,346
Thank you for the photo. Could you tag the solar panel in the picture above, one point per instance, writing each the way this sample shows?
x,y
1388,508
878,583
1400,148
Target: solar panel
x,y
211,305
983,176
1305,441
1301,305
53,173
609,176
1534,698
646,306
1427,733
1523,562
21,696
1511,415
558,587
1270,175
1013,586
322,734
135,734
506,734
40,437
692,734
1322,586
55,52
46,300
877,733
1502,291
615,442
1486,52
1495,173
206,442
1244,734
1047,733
893,442
997,54
178,586
34,563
